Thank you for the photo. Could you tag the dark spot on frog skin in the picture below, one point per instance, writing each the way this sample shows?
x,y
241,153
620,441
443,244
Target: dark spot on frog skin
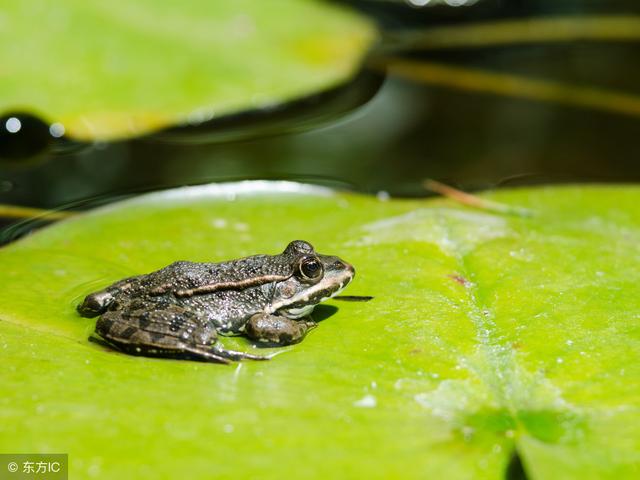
x,y
176,324
156,337
128,332
106,325
144,321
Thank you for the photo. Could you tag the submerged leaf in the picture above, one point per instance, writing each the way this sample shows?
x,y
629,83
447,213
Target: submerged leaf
x,y
492,344
106,70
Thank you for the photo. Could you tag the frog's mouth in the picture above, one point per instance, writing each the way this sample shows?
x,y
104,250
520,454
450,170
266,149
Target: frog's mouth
x,y
302,304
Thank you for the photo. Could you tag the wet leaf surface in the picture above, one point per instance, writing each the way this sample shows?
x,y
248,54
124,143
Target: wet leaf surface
x,y
493,344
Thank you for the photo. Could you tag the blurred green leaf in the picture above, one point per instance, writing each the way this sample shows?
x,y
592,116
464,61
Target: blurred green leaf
x,y
109,70
490,338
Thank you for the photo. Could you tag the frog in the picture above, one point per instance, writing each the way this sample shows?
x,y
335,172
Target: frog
x,y
181,310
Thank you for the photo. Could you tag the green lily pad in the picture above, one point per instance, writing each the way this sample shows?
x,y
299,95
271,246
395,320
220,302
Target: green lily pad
x,y
490,339
117,69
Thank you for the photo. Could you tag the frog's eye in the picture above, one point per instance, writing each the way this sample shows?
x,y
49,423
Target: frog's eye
x,y
310,268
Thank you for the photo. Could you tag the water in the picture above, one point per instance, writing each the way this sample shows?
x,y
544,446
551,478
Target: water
x,y
396,131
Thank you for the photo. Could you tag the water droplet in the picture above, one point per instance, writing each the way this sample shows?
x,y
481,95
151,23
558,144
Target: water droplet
x,y
467,433
383,196
94,470
368,401
56,130
13,125
219,223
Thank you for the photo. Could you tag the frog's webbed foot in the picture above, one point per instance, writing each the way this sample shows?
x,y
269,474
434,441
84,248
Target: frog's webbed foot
x,y
216,354
277,330
208,353
196,353
172,332
235,355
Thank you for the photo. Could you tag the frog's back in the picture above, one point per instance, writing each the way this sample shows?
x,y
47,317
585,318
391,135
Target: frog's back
x,y
184,274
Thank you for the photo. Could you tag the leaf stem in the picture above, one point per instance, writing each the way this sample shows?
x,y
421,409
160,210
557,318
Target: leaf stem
x,y
474,201
15,211
537,30
510,85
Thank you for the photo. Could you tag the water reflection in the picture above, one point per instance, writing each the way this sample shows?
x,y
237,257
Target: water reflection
x,y
410,130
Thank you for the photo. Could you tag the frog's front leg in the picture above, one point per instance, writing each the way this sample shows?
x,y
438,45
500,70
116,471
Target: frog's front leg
x,y
277,329
98,302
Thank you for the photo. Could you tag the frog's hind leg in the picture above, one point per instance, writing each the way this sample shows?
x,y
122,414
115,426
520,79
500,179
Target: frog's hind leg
x,y
172,332
129,338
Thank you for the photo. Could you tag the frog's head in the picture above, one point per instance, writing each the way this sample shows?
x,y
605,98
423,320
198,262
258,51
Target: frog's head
x,y
315,278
